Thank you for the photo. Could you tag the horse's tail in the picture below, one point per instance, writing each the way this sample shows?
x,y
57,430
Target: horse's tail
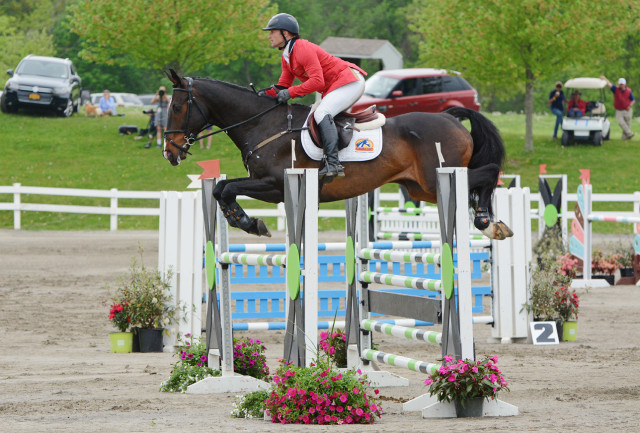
x,y
487,143
486,159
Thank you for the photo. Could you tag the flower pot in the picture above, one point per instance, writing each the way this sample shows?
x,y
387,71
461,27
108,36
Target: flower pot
x,y
135,345
569,331
610,278
626,272
121,342
471,408
559,328
150,339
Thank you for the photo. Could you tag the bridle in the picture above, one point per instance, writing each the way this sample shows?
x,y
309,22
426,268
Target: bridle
x,y
190,137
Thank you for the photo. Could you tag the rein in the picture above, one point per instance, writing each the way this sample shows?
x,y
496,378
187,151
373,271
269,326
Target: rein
x,y
192,138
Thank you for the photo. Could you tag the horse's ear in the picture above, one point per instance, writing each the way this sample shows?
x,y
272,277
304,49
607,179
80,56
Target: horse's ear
x,y
175,78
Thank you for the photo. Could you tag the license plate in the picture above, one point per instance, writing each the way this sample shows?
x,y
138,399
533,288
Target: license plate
x,y
34,96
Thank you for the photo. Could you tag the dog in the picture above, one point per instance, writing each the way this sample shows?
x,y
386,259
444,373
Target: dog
x,y
92,110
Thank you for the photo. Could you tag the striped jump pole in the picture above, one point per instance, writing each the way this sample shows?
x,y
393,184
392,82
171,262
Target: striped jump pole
x,y
481,240
402,331
423,245
273,248
400,361
399,256
412,210
615,219
400,281
254,259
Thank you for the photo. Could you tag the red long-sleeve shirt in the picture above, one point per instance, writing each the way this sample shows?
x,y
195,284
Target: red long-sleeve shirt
x,y
318,70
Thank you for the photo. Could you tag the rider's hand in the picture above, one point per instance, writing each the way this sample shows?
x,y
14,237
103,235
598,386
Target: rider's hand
x,y
283,96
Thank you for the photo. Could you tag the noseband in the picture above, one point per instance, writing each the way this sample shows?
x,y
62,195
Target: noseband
x,y
189,137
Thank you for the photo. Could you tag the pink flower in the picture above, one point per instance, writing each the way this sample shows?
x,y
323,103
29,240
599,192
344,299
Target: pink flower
x,y
429,381
448,358
344,398
452,378
339,409
356,390
359,411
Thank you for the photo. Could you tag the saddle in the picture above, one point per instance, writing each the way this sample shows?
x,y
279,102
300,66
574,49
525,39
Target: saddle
x,y
346,123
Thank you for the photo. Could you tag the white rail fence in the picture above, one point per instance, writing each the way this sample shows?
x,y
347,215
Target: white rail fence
x,y
116,209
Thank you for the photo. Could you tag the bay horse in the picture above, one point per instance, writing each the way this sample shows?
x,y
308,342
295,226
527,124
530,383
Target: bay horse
x,y
408,156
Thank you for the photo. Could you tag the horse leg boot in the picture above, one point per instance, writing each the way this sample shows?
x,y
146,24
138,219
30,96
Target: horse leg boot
x,y
332,166
238,218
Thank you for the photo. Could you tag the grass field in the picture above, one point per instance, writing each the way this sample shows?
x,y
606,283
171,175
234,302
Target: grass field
x,y
82,152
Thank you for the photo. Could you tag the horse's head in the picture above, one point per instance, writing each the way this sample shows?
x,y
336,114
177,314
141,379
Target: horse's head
x,y
185,121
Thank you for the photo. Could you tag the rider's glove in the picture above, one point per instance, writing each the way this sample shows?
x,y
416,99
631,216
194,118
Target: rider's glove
x,y
283,96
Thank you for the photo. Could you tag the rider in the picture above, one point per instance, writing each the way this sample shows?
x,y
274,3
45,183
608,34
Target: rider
x,y
340,83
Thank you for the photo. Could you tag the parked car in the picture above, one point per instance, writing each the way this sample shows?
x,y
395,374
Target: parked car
x,y
42,82
146,99
121,99
399,91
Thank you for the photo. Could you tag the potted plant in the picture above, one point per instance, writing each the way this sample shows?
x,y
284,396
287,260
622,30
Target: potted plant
x,y
568,265
150,303
567,305
625,251
545,280
467,384
321,395
604,265
120,316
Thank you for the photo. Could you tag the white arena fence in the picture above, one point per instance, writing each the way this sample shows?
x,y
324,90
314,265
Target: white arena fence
x,y
15,203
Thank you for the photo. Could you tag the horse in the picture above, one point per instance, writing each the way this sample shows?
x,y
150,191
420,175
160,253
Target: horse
x,y
263,131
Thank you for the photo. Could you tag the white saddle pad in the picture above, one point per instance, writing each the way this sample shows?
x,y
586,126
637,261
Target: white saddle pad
x,y
364,145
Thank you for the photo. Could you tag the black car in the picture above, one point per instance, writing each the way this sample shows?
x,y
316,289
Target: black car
x,y
42,83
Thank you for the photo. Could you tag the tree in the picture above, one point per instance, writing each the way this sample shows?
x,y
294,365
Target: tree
x,y
17,44
511,44
182,34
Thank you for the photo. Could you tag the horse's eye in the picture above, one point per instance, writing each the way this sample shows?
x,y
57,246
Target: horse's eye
x,y
177,108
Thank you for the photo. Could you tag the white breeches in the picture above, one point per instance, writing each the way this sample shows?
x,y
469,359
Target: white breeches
x,y
340,99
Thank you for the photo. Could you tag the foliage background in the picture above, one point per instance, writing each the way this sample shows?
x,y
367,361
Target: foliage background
x,y
564,39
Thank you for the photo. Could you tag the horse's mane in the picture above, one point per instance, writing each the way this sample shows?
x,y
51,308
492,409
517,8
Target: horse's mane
x,y
238,87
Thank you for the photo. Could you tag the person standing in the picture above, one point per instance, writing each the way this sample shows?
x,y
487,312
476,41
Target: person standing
x,y
556,99
162,113
623,101
339,82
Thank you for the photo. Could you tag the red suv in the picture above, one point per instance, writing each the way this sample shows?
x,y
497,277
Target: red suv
x,y
399,91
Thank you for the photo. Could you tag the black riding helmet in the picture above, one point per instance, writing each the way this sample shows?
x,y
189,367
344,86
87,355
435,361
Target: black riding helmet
x,y
283,22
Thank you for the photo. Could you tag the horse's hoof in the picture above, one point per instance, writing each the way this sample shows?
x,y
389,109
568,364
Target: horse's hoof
x,y
498,231
506,231
262,228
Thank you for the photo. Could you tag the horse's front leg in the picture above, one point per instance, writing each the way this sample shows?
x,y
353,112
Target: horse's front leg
x,y
226,192
482,182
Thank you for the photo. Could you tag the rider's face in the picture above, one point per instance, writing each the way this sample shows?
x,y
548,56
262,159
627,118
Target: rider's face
x,y
276,39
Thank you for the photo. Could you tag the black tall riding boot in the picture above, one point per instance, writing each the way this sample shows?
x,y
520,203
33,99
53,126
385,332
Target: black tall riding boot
x,y
332,166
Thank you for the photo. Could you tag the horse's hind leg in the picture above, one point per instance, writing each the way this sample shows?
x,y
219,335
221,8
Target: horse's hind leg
x,y
225,194
482,182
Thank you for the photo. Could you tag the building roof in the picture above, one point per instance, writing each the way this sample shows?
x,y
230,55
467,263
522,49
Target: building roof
x,y
355,48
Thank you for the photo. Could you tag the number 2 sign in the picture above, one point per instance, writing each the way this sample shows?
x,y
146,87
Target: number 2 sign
x,y
544,333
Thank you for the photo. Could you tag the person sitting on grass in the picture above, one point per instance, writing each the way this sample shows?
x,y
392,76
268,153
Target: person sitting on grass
x,y
107,104
577,107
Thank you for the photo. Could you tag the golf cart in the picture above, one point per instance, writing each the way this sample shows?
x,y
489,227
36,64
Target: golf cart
x,y
595,125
